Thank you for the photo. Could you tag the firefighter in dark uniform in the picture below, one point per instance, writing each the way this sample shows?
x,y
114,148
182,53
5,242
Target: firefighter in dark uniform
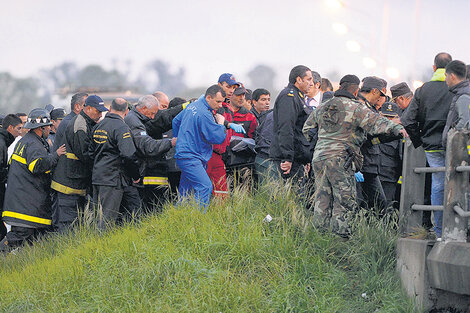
x,y
290,150
27,206
390,159
147,147
71,180
115,166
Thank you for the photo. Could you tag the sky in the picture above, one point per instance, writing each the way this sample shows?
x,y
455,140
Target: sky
x,y
212,37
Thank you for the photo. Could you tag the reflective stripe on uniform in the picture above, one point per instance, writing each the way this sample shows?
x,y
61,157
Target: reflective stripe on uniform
x,y
434,150
375,141
221,191
70,155
17,158
67,190
28,218
32,164
468,149
151,180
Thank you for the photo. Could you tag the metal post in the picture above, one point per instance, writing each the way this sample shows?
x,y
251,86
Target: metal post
x,y
412,189
454,227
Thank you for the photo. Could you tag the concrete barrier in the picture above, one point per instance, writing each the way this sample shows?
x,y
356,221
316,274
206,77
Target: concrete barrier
x,y
411,265
449,267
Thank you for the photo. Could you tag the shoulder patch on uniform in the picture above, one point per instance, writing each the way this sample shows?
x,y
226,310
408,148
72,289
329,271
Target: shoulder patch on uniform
x,y
143,133
100,136
80,124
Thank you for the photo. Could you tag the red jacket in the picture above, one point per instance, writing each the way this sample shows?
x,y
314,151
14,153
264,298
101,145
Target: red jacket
x,y
228,115
247,120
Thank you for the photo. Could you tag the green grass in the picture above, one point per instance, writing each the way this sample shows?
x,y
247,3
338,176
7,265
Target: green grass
x,y
227,260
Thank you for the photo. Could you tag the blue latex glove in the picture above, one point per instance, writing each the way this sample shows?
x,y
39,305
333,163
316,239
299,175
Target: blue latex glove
x,y
359,177
237,128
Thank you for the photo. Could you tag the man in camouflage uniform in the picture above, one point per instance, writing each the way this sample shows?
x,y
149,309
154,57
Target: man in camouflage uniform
x,y
343,125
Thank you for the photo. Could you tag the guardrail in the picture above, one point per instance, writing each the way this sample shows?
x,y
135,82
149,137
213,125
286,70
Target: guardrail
x,y
455,213
436,274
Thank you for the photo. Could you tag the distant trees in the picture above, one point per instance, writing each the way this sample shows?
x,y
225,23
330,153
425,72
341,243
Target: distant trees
x,y
262,76
17,94
23,94
162,78
97,77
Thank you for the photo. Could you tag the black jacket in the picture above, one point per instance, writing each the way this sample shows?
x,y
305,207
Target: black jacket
x,y
148,149
425,117
458,115
72,174
161,123
114,153
370,149
264,134
257,115
390,164
27,198
289,116
6,139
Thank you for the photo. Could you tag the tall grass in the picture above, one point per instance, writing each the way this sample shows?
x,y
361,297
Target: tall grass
x,y
227,260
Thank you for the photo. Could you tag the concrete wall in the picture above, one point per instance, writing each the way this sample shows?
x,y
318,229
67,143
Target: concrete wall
x,y
436,276
411,264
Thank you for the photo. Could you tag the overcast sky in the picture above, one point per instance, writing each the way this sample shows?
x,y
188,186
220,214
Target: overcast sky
x,y
211,37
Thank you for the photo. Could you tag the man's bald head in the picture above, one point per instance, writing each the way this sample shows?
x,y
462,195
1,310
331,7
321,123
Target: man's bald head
x,y
162,99
119,105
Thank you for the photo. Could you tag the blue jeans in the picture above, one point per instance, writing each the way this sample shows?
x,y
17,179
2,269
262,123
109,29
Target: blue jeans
x,y
194,178
437,159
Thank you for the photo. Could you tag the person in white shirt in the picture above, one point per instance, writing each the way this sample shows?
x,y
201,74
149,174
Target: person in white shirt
x,y
314,94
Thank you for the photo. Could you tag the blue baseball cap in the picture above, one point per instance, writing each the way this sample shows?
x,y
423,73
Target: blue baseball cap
x,y
229,79
95,102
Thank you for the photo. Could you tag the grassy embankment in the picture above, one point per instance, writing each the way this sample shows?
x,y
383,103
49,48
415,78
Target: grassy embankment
x,y
227,260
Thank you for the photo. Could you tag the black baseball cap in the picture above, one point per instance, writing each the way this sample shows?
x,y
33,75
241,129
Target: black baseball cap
x,y
390,109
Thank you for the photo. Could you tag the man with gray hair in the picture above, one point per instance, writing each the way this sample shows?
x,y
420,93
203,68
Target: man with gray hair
x,y
151,188
314,94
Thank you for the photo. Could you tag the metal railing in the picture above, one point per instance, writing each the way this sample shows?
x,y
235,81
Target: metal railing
x,y
455,214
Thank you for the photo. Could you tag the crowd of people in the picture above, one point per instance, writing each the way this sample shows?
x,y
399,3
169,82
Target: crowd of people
x,y
345,145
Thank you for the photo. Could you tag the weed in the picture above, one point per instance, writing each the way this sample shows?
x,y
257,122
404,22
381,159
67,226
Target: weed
x,y
226,260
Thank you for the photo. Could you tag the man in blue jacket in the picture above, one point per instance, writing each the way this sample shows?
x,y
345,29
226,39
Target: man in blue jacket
x,y
197,129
